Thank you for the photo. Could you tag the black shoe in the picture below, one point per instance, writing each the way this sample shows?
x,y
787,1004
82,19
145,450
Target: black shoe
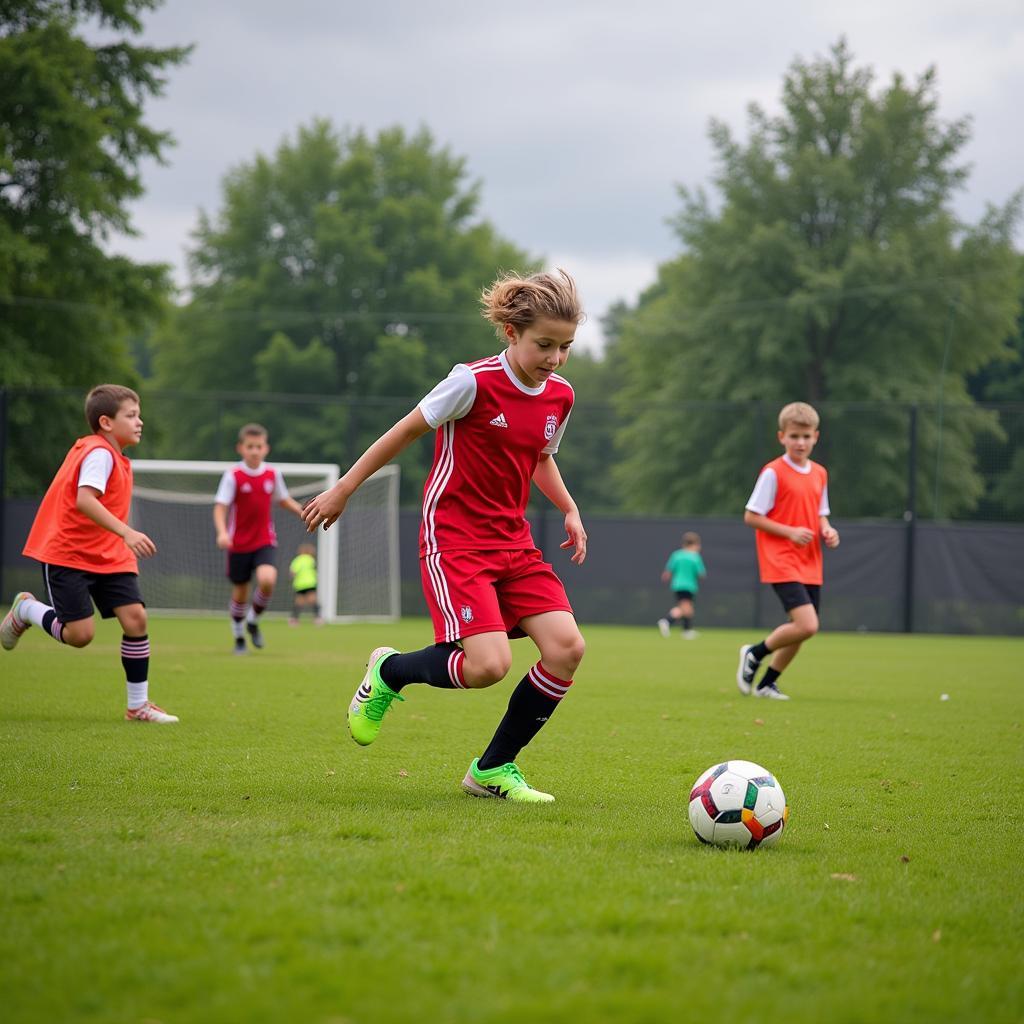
x,y
240,647
253,629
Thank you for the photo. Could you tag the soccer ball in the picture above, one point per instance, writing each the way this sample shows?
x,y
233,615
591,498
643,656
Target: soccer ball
x,y
738,803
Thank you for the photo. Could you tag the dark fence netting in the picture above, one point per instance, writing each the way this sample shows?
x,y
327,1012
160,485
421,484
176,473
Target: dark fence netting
x,y
929,498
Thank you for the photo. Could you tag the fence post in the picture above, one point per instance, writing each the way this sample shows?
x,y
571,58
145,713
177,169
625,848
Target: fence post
x,y
910,518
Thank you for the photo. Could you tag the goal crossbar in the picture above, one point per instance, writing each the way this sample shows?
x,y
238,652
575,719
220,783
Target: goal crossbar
x,y
331,559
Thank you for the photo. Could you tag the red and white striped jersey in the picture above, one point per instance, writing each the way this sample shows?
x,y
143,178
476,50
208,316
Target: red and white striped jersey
x,y
250,495
491,432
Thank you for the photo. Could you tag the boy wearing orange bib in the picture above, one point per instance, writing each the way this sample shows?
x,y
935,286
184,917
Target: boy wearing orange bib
x,y
89,552
789,510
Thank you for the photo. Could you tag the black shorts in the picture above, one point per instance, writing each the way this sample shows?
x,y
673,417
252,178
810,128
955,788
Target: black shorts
x,y
72,592
306,590
793,595
242,564
684,595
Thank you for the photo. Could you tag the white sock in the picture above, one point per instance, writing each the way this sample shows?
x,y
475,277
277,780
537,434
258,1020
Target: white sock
x,y
31,612
238,628
138,694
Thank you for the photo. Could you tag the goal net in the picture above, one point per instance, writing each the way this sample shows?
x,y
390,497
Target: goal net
x,y
357,558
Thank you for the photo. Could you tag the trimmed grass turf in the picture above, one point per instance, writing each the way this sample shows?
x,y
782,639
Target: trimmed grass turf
x,y
252,863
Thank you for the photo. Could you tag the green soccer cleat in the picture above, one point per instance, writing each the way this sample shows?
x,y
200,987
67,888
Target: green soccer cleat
x,y
372,699
505,782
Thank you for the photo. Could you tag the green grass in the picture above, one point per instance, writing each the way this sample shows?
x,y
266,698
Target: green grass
x,y
253,864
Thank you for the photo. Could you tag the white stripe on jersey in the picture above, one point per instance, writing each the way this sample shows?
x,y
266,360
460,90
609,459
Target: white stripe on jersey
x,y
442,474
446,463
442,596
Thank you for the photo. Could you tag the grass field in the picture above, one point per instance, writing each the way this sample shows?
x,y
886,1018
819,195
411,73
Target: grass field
x,y
253,864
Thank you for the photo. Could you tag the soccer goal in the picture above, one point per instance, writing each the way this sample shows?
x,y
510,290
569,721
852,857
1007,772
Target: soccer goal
x,y
357,558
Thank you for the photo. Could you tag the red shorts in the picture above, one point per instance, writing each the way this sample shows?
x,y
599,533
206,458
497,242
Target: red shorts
x,y
472,592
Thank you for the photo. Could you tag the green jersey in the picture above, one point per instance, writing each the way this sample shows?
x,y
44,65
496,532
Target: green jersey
x,y
303,570
685,567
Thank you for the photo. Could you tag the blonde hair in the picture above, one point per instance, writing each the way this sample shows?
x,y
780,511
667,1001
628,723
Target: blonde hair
x,y
520,301
690,538
799,414
251,430
106,400
306,549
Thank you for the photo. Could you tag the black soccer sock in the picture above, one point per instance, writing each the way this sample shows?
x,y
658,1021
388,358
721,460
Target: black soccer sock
x,y
687,622
439,665
760,651
296,609
769,677
532,703
135,657
53,626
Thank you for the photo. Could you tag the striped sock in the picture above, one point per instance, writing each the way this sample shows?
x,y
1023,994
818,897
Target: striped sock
x,y
532,703
237,612
259,605
440,666
135,659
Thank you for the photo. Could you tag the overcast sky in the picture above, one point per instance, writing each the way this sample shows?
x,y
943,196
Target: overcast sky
x,y
578,118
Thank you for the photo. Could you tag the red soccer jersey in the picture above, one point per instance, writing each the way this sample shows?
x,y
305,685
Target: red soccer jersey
x,y
61,535
488,443
250,497
798,502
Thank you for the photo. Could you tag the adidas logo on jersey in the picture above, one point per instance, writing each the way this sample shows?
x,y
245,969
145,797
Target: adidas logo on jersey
x,y
499,420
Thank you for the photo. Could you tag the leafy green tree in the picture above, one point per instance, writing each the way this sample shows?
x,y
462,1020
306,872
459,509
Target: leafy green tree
x,y
830,270
72,137
345,264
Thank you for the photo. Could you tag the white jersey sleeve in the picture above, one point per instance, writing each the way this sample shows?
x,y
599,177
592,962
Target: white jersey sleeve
x,y
226,490
280,487
762,498
552,446
823,509
451,399
96,469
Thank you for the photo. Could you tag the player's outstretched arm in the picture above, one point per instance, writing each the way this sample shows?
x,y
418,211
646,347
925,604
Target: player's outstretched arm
x,y
550,483
324,509
88,503
292,505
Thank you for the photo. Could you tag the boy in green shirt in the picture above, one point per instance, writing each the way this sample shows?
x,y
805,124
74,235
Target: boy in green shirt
x,y
303,573
684,568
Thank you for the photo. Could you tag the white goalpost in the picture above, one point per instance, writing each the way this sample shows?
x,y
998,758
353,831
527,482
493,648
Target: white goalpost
x,y
357,558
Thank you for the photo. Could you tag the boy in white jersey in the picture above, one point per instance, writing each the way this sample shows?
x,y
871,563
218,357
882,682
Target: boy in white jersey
x,y
498,424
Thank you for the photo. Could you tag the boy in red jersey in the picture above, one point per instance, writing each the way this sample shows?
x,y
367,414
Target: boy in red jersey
x,y
498,424
89,552
789,510
243,517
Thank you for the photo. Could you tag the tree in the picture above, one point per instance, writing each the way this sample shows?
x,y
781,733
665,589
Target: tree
x,y
72,137
832,270
347,265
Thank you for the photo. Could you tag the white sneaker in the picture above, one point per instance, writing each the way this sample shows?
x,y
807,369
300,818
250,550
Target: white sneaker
x,y
12,627
149,712
747,669
771,691
665,627
690,634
